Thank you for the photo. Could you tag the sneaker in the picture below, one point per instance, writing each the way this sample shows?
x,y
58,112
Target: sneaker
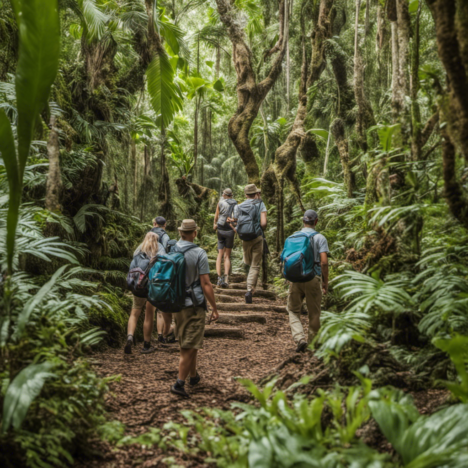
x,y
171,338
220,281
248,297
225,284
301,346
194,380
147,348
128,346
179,390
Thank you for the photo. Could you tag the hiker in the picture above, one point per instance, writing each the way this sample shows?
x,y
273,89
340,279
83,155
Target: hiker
x,y
163,319
159,227
147,250
226,235
190,322
305,264
251,219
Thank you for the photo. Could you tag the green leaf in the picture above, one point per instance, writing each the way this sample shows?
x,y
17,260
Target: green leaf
x,y
22,391
35,300
164,97
94,20
320,132
413,6
218,85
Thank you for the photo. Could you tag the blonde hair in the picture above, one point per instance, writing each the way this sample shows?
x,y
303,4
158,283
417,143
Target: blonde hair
x,y
150,244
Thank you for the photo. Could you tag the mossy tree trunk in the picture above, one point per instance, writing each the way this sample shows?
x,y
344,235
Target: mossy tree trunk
x,y
250,93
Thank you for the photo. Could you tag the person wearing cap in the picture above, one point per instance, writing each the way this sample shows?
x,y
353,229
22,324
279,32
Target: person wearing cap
x,y
226,235
190,321
253,249
312,290
159,227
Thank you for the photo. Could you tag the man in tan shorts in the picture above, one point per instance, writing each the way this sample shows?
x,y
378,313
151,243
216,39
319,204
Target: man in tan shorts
x,y
311,290
251,217
190,322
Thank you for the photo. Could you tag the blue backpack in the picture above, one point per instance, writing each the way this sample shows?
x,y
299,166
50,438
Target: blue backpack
x,y
167,290
298,257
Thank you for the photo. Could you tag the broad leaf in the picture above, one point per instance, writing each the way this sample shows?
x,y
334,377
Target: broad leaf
x,y
25,387
320,132
163,92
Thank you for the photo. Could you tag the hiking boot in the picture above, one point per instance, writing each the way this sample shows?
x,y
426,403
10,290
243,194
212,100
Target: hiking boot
x,y
160,338
220,281
128,345
171,338
248,297
194,380
179,390
225,284
301,346
147,348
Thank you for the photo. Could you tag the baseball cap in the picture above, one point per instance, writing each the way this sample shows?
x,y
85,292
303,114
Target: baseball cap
x,y
227,192
310,216
160,220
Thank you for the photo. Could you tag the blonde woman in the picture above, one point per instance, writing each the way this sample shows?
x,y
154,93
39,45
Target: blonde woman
x,y
149,248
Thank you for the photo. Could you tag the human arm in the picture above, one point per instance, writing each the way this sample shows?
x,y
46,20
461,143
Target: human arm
x,y
215,225
210,296
263,220
324,266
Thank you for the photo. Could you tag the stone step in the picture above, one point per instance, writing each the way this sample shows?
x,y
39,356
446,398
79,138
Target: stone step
x,y
242,307
221,332
232,319
244,286
223,297
240,293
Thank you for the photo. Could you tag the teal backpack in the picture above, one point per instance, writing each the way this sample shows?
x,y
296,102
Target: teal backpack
x,y
298,257
167,291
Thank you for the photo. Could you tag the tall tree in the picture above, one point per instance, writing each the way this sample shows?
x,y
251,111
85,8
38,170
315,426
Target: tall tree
x,y
250,92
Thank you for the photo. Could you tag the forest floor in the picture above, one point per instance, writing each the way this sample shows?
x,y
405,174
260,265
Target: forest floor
x,y
141,399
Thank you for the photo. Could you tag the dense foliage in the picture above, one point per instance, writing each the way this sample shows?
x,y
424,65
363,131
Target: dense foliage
x,y
112,111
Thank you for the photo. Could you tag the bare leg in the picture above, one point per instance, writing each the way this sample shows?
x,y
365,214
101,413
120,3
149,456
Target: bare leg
x,y
219,261
193,367
149,321
132,321
227,261
167,317
160,323
186,363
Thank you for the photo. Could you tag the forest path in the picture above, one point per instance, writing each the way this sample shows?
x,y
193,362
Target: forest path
x,y
141,399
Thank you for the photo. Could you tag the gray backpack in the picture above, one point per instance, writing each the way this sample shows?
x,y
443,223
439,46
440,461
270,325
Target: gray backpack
x,y
248,220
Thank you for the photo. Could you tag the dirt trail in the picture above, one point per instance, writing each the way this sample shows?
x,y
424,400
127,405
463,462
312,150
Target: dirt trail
x,y
142,399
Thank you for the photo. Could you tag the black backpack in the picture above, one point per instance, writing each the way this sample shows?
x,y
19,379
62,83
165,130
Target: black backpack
x,y
170,245
248,220
137,278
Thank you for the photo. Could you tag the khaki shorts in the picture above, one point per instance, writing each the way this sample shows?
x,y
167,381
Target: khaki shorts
x,y
190,324
138,302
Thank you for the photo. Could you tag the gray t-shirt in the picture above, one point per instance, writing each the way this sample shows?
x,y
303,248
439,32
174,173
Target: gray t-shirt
x,y
225,208
161,249
320,246
196,264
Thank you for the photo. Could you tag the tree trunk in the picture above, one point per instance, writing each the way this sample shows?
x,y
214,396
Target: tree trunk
x,y
250,94
195,136
54,185
338,131
164,195
365,116
135,173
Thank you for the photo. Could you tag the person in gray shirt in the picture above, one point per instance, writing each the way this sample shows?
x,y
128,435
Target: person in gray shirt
x,y
312,290
226,235
190,321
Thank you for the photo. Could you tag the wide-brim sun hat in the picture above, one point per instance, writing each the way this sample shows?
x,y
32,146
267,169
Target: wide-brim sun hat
x,y
188,225
250,189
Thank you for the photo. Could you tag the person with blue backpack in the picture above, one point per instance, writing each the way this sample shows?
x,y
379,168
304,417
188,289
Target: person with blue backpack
x,y
137,281
251,219
226,235
179,282
305,265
